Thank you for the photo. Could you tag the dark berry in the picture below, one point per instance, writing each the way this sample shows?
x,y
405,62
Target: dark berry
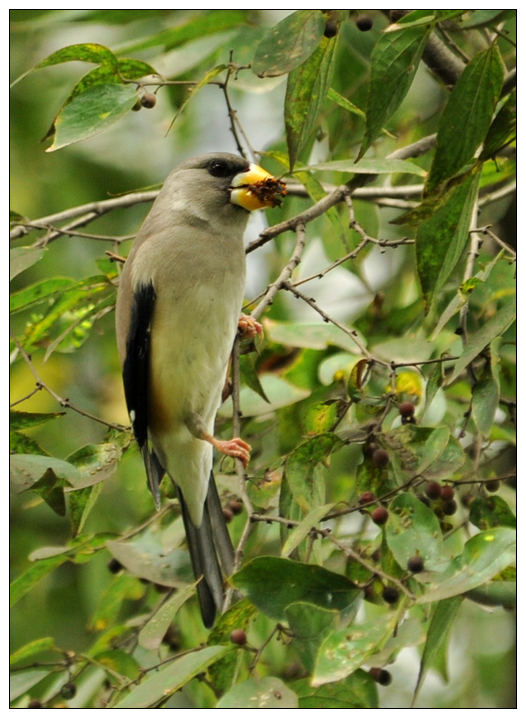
x,y
366,497
492,485
447,493
433,490
238,636
390,594
449,508
34,703
114,566
380,516
415,564
148,100
381,676
331,28
381,458
364,22
369,449
406,409
395,15
161,588
68,691
236,507
172,638
228,514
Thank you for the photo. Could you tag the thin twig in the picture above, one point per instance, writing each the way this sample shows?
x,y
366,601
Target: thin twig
x,y
63,402
38,388
72,233
231,111
350,333
285,274
95,210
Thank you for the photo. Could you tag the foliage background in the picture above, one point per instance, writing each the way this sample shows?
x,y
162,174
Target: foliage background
x,y
80,604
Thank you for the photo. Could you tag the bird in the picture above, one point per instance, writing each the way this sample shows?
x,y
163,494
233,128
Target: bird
x,y
177,313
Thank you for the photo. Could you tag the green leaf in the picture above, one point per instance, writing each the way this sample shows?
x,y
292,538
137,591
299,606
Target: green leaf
x,y
433,384
25,470
305,473
483,557
249,376
120,662
486,18
262,492
310,625
503,129
22,444
22,681
409,443
307,89
81,502
485,402
487,512
440,240
495,593
222,673
413,530
161,684
394,62
146,557
467,117
85,52
46,290
441,621
273,583
32,649
92,112
20,258
95,462
368,166
345,103
359,690
266,692
152,634
479,340
303,529
197,27
289,43
434,447
110,605
23,419
24,583
50,488
320,418
342,652
463,293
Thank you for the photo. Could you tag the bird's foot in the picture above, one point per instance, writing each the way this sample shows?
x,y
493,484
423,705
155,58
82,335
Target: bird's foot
x,y
237,448
248,327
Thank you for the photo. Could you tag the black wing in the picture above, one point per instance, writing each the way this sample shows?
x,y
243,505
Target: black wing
x,y
135,377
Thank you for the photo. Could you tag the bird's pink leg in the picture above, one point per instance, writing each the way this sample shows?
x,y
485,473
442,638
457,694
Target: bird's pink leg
x,y
236,447
248,327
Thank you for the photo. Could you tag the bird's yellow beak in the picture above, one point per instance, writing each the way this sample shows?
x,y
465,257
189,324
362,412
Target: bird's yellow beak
x,y
256,188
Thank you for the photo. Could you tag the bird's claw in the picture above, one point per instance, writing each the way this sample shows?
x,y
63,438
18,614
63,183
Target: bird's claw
x,y
236,447
248,327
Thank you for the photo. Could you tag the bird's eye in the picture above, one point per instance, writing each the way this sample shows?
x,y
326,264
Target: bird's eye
x,y
218,168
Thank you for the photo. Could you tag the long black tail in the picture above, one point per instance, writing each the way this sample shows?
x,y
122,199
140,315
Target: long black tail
x,y
211,550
